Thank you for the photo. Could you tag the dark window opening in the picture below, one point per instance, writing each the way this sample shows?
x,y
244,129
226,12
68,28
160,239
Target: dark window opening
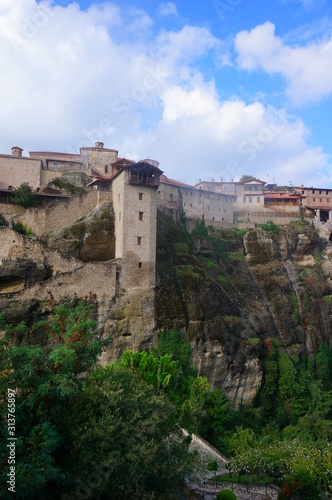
x,y
140,265
140,196
139,240
140,215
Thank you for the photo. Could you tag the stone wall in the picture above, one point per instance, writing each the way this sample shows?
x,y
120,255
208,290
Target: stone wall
x,y
16,170
61,213
196,203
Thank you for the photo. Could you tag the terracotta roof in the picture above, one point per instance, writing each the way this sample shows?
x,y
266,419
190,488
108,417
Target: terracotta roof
x,y
319,208
46,153
166,180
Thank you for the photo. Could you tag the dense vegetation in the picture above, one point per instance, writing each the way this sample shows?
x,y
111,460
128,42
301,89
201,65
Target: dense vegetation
x,y
23,196
114,432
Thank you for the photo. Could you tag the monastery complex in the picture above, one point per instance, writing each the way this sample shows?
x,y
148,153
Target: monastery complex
x,y
137,190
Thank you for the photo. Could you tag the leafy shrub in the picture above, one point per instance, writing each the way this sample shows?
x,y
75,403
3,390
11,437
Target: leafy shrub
x,y
23,196
22,229
271,227
226,495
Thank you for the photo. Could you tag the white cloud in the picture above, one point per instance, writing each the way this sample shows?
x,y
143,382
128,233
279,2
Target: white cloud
x,y
70,77
307,68
167,9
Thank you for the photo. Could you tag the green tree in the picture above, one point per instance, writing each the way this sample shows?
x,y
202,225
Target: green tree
x,y
23,195
121,424
45,378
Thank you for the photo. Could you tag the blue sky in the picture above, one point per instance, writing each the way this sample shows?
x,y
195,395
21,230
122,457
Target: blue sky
x,y
210,89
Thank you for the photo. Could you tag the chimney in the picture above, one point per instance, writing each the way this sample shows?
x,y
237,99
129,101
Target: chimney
x,y
302,186
221,180
99,145
16,151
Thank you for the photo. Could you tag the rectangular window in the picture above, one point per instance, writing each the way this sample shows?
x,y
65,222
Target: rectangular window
x,y
55,165
258,199
208,188
139,240
231,187
212,218
140,196
244,200
140,215
191,205
320,192
239,189
185,204
313,191
203,217
250,199
314,199
140,265
171,197
119,215
71,166
320,199
226,188
327,192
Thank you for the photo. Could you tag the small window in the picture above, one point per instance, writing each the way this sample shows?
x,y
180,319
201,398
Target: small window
x,y
258,199
313,191
320,192
71,166
186,192
314,199
203,217
231,187
244,200
185,204
106,169
171,197
191,193
250,199
140,196
302,192
139,240
158,191
327,200
239,189
327,192
191,205
212,218
320,199
55,165
119,215
140,215
208,208
226,188
140,265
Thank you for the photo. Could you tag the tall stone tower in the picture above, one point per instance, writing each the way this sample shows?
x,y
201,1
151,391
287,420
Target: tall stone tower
x,y
134,190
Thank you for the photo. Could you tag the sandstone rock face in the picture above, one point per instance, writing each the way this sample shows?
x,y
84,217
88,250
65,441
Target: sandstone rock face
x,y
229,294
90,238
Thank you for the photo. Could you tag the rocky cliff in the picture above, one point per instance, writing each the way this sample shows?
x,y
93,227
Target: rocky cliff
x,y
228,290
